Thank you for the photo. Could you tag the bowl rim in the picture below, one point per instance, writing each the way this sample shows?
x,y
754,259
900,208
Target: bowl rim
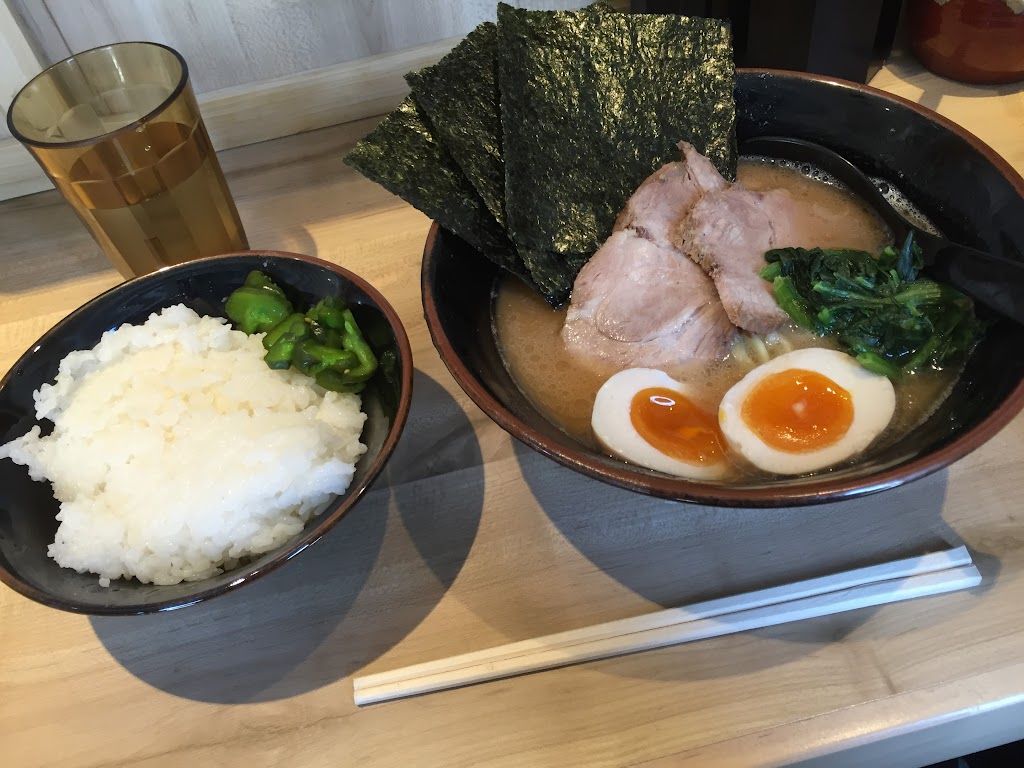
x,y
311,533
816,491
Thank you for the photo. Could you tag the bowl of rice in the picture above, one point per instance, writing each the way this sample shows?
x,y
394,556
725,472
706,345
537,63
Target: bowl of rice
x,y
149,457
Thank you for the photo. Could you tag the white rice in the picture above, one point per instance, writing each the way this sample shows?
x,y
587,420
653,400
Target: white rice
x,y
176,450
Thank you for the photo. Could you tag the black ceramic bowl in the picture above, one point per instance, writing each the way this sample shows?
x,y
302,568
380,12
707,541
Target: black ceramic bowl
x,y
28,509
971,193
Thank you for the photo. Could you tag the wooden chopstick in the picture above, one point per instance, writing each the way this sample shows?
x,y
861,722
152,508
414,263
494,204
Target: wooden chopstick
x,y
889,582
935,561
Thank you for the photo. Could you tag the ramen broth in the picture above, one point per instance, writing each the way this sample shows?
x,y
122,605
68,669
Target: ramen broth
x,y
563,388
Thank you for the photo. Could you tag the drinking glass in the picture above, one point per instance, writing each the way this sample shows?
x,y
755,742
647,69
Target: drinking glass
x,y
118,131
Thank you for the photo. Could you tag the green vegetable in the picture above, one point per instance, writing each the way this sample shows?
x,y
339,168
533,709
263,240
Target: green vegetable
x,y
311,357
325,343
258,305
353,342
879,310
326,322
337,382
279,330
281,340
328,312
386,383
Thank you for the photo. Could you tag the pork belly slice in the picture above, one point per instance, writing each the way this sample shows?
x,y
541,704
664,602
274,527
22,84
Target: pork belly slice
x,y
638,304
655,210
727,233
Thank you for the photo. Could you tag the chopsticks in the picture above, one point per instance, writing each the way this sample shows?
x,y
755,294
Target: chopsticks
x,y
931,574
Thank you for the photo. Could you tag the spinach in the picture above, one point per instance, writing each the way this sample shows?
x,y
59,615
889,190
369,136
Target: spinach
x,y
879,310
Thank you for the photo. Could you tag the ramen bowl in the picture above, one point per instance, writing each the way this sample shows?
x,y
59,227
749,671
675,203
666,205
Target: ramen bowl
x,y
28,509
970,193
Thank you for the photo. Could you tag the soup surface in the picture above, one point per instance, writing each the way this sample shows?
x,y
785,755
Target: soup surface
x,y
563,388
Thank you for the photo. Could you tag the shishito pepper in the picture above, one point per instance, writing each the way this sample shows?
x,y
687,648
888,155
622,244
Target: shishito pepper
x,y
328,312
337,382
281,340
344,369
353,341
326,322
311,357
325,343
288,325
259,305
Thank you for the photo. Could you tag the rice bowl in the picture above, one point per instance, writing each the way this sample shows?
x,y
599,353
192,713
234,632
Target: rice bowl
x,y
177,453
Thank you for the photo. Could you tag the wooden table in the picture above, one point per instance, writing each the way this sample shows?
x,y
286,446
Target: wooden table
x,y
471,540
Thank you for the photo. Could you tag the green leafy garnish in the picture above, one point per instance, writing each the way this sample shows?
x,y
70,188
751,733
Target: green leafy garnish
x,y
878,309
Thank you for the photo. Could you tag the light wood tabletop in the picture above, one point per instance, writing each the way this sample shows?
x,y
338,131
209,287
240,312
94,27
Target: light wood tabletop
x,y
470,540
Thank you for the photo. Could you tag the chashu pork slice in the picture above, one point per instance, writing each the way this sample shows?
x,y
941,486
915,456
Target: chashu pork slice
x,y
664,198
727,233
639,304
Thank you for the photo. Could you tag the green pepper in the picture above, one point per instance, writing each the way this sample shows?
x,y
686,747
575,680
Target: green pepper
x,y
311,357
279,330
326,320
328,312
257,279
325,343
258,305
336,381
353,341
325,335
284,337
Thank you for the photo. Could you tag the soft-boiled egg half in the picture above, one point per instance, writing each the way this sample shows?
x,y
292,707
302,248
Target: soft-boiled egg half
x,y
805,410
647,417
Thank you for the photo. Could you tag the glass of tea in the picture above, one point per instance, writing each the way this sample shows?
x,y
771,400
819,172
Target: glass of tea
x,y
118,131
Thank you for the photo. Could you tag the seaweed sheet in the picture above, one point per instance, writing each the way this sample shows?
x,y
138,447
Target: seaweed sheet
x,y
403,155
592,104
553,274
460,97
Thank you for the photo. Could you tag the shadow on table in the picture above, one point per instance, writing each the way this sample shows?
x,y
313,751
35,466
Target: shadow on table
x,y
45,244
342,603
676,554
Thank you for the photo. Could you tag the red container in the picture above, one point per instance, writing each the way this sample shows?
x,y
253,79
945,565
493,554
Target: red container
x,y
975,41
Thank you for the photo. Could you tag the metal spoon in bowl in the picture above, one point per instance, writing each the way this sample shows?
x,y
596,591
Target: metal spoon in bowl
x,y
995,281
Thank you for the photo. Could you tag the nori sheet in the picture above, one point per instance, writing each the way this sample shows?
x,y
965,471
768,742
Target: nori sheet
x,y
592,104
460,96
403,155
553,274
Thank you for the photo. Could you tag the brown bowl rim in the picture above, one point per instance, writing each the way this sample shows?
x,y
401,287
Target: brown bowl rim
x,y
816,491
310,535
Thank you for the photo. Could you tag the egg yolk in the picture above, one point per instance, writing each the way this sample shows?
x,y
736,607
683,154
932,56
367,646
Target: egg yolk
x,y
676,427
798,411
